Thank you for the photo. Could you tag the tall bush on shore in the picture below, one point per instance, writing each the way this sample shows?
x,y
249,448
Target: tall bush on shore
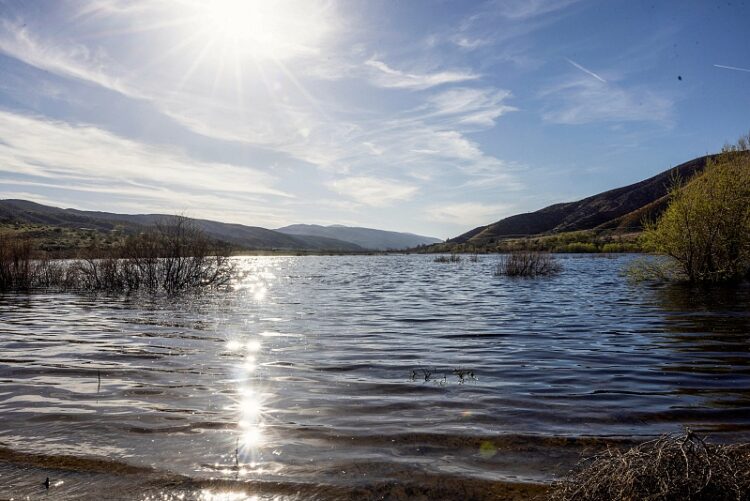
x,y
706,227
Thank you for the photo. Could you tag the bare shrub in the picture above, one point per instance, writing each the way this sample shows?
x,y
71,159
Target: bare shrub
x,y
173,256
453,258
527,264
666,469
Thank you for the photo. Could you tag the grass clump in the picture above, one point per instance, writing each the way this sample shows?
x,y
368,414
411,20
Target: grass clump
x,y
654,269
528,264
666,469
453,258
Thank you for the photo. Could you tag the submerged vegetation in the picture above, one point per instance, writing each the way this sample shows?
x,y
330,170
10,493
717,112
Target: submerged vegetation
x,y
528,264
172,256
705,229
453,258
666,469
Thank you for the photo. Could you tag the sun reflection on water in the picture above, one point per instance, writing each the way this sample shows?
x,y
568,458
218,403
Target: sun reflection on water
x,y
248,407
208,495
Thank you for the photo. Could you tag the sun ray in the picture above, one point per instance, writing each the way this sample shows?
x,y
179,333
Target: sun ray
x,y
194,65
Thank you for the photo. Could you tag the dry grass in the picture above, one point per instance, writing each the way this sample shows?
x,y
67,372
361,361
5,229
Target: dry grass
x,y
528,264
683,468
16,263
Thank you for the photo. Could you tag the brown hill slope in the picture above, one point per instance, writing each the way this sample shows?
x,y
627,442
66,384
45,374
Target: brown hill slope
x,y
621,209
246,237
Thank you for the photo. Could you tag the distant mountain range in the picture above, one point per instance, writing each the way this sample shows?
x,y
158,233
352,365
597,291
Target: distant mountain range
x,y
247,237
622,209
366,238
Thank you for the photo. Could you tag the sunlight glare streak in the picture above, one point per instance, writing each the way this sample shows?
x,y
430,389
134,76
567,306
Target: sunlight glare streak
x,y
252,437
207,495
234,345
277,29
253,345
249,364
250,409
260,293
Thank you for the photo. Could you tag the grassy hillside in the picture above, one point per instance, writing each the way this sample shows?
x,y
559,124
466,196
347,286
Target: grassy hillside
x,y
621,210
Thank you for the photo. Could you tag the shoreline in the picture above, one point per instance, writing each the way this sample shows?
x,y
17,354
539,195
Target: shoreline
x,y
73,477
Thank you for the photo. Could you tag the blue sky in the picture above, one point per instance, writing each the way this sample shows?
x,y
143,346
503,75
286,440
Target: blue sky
x,y
430,117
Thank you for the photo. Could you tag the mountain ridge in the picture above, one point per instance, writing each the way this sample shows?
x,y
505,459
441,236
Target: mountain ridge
x,y
15,211
368,238
619,209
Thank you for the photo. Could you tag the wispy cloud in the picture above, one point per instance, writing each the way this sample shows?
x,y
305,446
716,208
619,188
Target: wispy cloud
x,y
80,158
586,70
526,9
385,76
373,191
468,214
469,43
735,68
471,105
584,100
73,61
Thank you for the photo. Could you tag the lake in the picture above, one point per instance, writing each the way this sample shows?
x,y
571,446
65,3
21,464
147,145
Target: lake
x,y
360,376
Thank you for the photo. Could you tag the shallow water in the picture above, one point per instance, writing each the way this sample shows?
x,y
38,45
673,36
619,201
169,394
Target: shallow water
x,y
336,377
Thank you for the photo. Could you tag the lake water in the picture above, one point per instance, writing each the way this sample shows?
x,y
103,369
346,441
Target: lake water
x,y
349,377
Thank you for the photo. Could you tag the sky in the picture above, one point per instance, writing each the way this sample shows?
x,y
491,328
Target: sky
x,y
431,117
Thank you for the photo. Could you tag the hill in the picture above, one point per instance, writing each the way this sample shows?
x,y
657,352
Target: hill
x,y
621,210
42,220
367,238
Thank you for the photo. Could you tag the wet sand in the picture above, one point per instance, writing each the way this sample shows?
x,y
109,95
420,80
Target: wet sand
x,y
73,477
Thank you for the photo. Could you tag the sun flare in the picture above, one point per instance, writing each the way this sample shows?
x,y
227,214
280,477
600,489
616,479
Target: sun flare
x,y
276,29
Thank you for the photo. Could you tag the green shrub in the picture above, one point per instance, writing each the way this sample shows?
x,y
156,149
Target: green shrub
x,y
578,247
706,227
621,247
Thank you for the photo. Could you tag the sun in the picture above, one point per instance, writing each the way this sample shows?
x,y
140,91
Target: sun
x,y
274,29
